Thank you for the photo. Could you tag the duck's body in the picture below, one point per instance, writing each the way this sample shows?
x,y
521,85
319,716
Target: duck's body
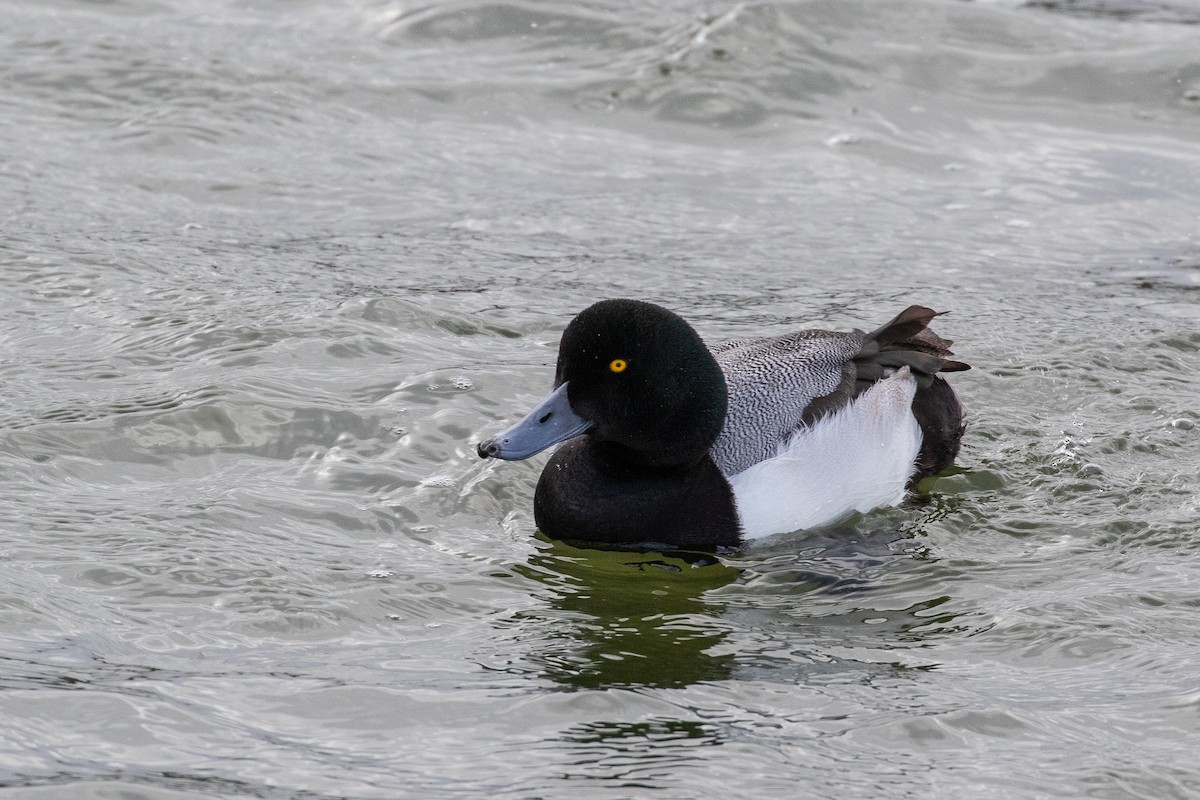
x,y
673,443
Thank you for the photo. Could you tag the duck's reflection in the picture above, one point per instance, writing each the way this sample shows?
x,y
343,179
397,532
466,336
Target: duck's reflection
x,y
788,610
630,618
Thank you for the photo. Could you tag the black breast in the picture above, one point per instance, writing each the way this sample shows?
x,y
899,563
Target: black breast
x,y
588,492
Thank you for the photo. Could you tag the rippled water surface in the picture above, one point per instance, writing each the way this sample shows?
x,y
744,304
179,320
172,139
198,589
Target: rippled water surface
x,y
268,269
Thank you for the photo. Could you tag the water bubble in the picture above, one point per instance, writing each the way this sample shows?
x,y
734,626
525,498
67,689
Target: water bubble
x,y
843,139
440,481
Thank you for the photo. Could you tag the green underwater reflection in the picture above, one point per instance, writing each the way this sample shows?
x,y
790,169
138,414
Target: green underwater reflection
x,y
628,618
843,601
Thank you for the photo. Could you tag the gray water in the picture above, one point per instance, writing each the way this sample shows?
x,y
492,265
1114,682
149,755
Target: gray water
x,y
269,269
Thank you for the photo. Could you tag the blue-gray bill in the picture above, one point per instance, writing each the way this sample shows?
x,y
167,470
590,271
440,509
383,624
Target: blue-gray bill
x,y
553,421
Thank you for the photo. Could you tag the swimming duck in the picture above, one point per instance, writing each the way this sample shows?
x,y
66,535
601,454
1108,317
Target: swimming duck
x,y
668,441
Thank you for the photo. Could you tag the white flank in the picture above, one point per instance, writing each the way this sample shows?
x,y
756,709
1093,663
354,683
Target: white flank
x,y
855,460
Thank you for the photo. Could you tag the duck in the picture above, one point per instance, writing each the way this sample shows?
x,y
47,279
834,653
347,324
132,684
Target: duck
x,y
665,441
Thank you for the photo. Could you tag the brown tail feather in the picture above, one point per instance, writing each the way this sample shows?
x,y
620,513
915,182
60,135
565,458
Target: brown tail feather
x,y
907,341
908,323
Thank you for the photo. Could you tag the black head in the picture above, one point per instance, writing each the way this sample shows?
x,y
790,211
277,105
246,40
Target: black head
x,y
645,380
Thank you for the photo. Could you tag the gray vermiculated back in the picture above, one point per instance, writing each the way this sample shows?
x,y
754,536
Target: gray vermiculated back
x,y
771,381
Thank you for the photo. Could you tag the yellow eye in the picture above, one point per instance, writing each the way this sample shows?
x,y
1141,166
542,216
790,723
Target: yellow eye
x,y
618,365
